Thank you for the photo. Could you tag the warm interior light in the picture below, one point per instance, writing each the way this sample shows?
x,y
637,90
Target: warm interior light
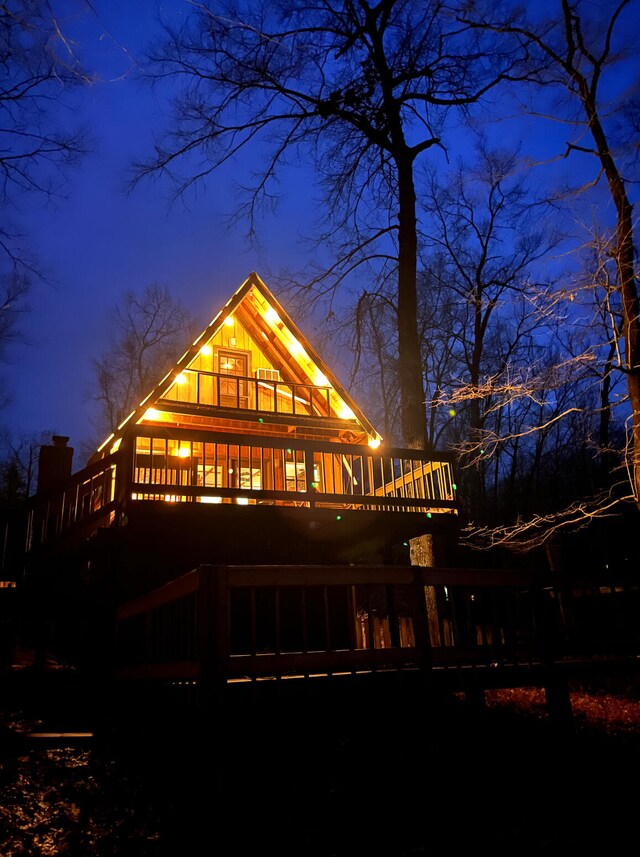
x,y
242,501
183,452
151,414
272,316
374,442
211,500
229,321
181,378
206,350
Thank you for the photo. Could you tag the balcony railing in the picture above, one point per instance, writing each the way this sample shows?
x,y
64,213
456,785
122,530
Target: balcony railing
x,y
197,467
248,470
196,387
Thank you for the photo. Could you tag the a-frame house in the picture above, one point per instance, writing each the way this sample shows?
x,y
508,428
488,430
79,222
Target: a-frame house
x,y
246,525
249,450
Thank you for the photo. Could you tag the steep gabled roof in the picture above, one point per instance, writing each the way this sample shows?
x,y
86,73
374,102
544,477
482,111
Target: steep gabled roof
x,y
281,342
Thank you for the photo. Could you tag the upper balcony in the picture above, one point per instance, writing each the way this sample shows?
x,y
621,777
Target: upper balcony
x,y
266,393
189,466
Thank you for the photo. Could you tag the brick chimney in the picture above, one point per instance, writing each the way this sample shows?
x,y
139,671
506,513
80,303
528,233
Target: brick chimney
x,y
54,463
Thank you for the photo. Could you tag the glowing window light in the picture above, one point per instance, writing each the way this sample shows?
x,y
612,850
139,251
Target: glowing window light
x,y
183,452
206,350
181,378
374,442
213,500
151,414
229,322
242,501
272,316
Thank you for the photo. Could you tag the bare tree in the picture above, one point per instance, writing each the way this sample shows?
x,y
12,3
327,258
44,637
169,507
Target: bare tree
x,y
14,288
578,49
150,332
19,465
37,70
363,88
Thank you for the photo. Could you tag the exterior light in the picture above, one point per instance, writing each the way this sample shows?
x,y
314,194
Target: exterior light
x,y
296,349
272,316
116,446
452,413
322,380
229,321
184,452
206,350
454,486
374,442
338,517
428,514
215,500
151,414
181,378
242,501
345,413
260,420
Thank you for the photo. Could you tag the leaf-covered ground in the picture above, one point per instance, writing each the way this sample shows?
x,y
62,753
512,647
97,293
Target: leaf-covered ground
x,y
399,783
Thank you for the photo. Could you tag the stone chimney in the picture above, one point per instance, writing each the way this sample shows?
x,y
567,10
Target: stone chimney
x,y
54,463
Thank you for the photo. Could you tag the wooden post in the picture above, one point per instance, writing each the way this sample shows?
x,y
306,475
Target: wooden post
x,y
213,653
556,686
213,638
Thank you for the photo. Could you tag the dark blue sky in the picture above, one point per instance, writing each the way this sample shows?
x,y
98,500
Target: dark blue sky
x,y
99,241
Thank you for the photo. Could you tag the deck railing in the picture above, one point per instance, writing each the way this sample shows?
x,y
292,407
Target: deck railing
x,y
244,469
222,628
87,500
217,389
185,466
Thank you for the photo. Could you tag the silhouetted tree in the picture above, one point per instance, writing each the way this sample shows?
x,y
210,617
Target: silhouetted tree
x,y
37,70
150,331
577,47
363,89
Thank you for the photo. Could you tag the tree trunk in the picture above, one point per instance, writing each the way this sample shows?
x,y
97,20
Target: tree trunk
x,y
626,277
410,366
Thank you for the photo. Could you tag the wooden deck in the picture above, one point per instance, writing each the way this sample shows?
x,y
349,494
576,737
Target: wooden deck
x,y
249,634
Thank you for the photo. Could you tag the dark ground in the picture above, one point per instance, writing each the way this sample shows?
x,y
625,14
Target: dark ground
x,y
399,780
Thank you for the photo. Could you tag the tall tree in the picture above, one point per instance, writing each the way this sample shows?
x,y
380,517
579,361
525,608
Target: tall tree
x,y
577,45
37,71
363,88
